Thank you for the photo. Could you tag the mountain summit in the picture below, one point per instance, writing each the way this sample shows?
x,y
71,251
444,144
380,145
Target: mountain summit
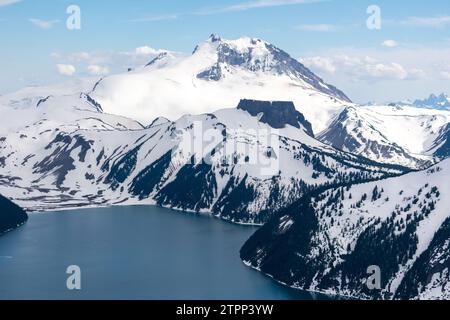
x,y
218,72
256,55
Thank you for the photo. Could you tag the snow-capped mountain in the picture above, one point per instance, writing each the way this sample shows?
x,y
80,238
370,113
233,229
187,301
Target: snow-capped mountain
x,y
441,146
218,73
67,153
404,135
436,102
329,240
353,132
439,102
11,216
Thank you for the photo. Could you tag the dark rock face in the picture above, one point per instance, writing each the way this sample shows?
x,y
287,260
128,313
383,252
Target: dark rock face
x,y
212,74
444,141
277,114
120,170
435,260
337,135
60,161
11,215
148,179
193,189
160,56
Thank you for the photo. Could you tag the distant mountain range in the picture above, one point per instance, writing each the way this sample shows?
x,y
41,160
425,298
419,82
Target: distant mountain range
x,y
440,102
437,102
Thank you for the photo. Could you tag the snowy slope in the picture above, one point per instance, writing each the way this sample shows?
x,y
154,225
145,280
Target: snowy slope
x,y
75,155
403,135
328,242
219,73
31,96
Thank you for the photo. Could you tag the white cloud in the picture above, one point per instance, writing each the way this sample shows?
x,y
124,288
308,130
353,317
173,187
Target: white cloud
x,y
377,74
317,27
320,63
158,18
80,56
83,57
260,4
66,69
434,22
8,2
390,43
138,55
416,73
361,67
242,6
55,55
106,62
145,51
386,71
98,70
445,72
43,24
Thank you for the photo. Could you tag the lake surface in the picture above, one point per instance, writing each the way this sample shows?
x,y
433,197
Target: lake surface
x,y
136,252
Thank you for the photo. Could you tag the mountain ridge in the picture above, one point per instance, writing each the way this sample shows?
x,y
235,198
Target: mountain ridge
x,y
327,243
91,158
11,215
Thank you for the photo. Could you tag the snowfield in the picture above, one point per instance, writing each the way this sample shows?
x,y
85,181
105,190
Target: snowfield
x,y
245,69
240,169
404,135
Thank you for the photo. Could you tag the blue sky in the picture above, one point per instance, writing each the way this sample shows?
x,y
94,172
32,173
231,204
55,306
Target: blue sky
x,y
408,57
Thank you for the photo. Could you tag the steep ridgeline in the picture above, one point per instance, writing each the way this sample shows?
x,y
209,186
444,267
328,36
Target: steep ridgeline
x,y
328,241
440,102
352,131
240,169
11,215
441,146
219,72
403,135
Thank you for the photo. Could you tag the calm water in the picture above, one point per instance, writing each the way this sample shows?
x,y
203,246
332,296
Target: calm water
x,y
141,252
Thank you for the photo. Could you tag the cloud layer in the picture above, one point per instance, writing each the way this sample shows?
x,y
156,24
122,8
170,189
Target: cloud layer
x,y
66,69
8,2
434,22
317,27
43,24
390,43
241,6
106,62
